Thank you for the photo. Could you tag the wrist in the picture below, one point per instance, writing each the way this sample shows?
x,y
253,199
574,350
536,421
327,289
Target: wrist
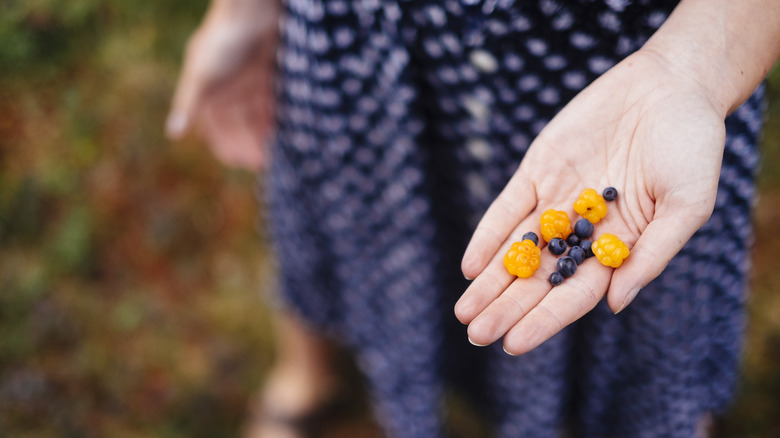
x,y
251,13
725,47
698,68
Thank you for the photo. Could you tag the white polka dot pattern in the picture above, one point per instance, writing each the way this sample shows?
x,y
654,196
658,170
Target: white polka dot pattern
x,y
399,122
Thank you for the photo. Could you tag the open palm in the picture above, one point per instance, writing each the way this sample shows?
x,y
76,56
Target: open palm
x,y
641,128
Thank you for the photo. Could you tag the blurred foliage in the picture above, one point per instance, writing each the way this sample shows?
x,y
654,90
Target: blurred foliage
x,y
756,412
131,269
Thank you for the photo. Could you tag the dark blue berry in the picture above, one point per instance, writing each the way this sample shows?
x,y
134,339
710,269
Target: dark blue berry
x,y
577,253
557,246
573,240
609,194
567,266
532,237
583,228
556,278
585,245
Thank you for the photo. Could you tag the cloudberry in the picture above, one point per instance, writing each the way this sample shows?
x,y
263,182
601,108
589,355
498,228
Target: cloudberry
x,y
523,258
532,237
610,250
557,246
591,205
555,223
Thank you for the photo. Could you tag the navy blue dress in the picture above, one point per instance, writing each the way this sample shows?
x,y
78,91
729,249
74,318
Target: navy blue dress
x,y
399,123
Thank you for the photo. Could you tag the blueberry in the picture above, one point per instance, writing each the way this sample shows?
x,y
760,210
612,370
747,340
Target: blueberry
x,y
585,245
532,237
556,278
557,246
573,240
583,228
609,194
567,266
577,253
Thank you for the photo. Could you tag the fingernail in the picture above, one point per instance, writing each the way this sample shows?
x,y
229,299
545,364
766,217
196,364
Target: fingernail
x,y
463,306
176,124
629,298
477,345
467,278
508,352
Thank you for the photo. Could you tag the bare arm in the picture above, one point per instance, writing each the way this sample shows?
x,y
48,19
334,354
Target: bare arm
x,y
727,46
638,127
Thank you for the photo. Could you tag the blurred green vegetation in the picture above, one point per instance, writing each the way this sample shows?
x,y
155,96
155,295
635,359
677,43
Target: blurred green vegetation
x,y
757,409
131,269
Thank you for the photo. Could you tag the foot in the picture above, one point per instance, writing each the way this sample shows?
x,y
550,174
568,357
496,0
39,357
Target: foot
x,y
295,404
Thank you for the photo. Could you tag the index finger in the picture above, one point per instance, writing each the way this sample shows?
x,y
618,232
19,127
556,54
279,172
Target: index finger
x,y
189,89
512,205
561,306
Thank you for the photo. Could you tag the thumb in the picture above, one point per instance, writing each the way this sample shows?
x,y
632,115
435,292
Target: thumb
x,y
187,97
659,243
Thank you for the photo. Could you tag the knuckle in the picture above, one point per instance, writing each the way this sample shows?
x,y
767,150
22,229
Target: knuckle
x,y
551,315
584,289
517,308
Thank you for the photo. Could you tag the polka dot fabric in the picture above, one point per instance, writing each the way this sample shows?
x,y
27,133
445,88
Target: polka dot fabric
x,y
399,123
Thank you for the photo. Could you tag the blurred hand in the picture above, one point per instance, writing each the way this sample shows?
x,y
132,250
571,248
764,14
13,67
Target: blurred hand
x,y
225,87
654,135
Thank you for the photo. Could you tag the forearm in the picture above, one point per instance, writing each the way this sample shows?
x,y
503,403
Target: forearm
x,y
241,5
243,10
726,46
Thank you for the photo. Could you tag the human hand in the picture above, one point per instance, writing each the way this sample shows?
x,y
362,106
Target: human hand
x,y
652,133
225,87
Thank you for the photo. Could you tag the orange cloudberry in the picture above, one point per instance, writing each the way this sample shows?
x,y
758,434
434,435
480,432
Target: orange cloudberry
x,y
523,258
591,205
610,250
555,223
